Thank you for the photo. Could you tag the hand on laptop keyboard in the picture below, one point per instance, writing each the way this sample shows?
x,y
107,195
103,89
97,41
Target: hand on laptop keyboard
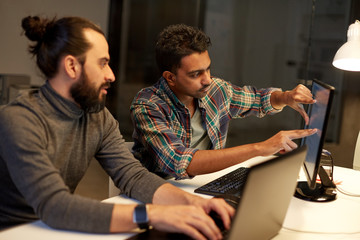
x,y
232,200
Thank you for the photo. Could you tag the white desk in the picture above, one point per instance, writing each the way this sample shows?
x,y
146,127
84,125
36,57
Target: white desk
x,y
339,219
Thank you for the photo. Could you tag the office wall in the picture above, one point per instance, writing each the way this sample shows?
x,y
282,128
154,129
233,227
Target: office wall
x,y
248,48
14,57
343,150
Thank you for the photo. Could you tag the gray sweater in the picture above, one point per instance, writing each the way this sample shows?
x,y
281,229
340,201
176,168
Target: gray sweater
x,y
46,145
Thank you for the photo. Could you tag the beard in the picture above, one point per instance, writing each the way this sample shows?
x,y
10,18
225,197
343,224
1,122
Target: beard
x,y
87,95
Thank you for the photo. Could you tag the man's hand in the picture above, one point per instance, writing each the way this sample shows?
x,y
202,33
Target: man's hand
x,y
188,213
294,99
218,205
189,219
282,141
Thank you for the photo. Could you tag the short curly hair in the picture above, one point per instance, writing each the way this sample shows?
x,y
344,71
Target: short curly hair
x,y
176,42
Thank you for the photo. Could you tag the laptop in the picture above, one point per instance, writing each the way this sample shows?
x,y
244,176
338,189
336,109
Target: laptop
x,y
265,198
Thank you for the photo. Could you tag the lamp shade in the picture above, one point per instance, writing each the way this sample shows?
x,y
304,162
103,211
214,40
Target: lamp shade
x,y
348,56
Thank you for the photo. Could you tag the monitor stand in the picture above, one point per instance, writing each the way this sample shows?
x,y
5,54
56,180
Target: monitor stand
x,y
323,192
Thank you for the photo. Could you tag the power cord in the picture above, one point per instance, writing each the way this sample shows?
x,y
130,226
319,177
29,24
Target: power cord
x,y
327,157
320,233
346,192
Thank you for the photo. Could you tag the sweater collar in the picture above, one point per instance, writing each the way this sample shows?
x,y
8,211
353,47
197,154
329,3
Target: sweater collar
x,y
65,106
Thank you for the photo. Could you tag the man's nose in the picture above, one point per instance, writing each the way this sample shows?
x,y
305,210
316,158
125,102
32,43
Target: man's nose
x,y
110,75
207,78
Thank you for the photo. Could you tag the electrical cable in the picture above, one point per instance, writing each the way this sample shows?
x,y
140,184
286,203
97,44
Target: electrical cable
x,y
313,232
343,191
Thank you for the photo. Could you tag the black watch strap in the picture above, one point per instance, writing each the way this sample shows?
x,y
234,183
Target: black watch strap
x,y
140,216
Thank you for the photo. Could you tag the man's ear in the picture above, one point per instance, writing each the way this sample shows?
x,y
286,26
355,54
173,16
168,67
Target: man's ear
x,y
170,77
72,66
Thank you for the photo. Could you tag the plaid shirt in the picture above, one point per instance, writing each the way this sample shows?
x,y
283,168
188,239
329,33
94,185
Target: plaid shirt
x,y
163,134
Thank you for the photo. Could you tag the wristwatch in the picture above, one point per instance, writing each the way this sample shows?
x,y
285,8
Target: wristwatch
x,y
140,216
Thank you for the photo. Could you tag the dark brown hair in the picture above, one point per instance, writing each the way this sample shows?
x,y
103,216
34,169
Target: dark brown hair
x,y
176,42
56,38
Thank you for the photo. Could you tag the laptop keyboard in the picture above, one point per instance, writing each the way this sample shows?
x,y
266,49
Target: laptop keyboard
x,y
218,221
231,183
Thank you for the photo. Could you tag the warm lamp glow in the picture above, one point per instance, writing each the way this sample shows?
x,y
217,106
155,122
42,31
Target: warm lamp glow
x,y
348,56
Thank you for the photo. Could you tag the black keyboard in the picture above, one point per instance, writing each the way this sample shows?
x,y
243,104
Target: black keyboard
x,y
231,183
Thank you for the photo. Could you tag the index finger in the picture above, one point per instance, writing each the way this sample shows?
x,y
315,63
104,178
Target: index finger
x,y
295,134
224,210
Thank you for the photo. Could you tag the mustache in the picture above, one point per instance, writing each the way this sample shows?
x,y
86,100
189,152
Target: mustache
x,y
206,86
105,85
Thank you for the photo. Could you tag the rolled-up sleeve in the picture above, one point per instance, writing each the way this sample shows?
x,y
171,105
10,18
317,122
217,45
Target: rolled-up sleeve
x,y
248,100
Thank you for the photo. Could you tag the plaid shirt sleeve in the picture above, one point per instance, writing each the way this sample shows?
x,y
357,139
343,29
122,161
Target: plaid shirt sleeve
x,y
246,101
165,146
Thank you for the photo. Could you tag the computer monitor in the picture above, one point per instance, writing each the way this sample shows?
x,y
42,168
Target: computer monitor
x,y
319,113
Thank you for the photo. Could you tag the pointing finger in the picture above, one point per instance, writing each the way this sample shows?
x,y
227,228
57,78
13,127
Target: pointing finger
x,y
301,133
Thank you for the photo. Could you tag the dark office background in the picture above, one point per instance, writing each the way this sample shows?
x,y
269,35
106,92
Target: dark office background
x,y
294,42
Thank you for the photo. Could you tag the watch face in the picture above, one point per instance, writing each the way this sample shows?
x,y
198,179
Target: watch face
x,y
140,216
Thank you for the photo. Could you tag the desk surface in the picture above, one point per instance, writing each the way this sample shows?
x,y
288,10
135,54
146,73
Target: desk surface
x,y
339,219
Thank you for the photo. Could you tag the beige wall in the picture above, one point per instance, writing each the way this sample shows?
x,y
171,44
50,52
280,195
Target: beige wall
x,y
14,57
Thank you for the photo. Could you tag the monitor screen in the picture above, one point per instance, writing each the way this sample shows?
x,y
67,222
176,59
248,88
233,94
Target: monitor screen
x,y
319,114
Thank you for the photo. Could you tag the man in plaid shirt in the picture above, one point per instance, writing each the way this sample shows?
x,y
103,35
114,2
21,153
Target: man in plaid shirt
x,y
181,122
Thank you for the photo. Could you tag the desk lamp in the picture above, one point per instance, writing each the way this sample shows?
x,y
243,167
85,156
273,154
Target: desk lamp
x,y
348,56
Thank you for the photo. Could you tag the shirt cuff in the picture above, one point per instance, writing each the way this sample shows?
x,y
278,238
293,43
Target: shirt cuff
x,y
269,108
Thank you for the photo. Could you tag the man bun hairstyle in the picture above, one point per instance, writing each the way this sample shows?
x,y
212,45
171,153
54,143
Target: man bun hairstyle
x,y
177,41
35,27
56,38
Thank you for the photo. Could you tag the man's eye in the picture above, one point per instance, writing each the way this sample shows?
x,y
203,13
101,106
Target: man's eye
x,y
195,75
